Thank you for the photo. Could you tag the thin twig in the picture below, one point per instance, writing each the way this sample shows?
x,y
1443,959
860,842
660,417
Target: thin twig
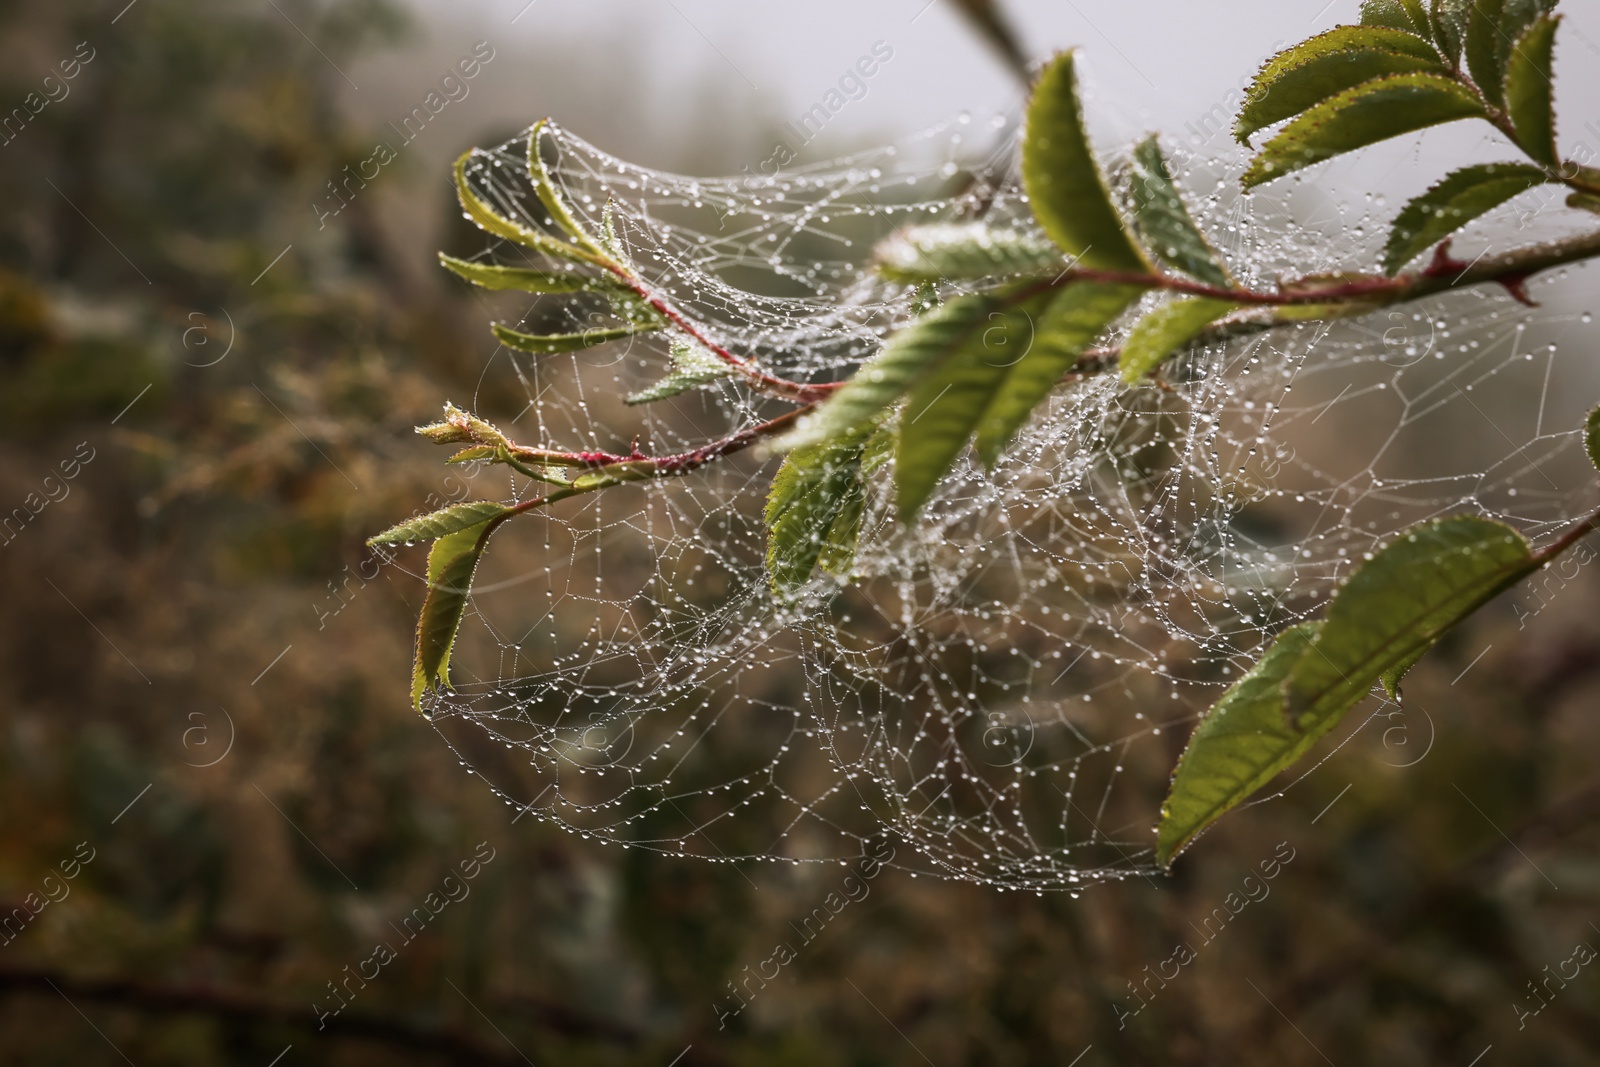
x,y
673,463
782,388
1510,269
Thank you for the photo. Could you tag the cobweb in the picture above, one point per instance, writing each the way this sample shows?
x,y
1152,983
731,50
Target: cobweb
x,y
1001,692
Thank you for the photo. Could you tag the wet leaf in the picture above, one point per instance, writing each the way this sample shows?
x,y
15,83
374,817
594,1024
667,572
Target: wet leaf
x,y
440,523
1398,604
813,509
1485,56
1393,608
1371,112
1448,20
1325,65
991,386
883,380
946,403
1240,746
460,427
1071,322
1065,186
1530,90
1453,202
550,196
451,563
1408,15
1493,32
839,550
1164,221
545,344
693,365
486,218
1165,330
964,252
490,276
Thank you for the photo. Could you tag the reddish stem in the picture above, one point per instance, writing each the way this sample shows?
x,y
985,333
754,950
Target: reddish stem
x,y
646,467
801,392
683,462
1446,266
1568,539
1154,280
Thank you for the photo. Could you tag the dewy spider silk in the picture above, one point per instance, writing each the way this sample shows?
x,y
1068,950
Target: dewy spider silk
x,y
1120,565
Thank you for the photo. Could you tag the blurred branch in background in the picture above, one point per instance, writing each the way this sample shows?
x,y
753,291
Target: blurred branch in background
x,y
989,20
400,1034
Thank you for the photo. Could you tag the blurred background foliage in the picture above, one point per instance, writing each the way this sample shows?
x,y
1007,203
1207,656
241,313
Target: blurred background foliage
x,y
146,214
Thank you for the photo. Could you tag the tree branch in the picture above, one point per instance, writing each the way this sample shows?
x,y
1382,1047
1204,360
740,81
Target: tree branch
x,y
1510,269
674,463
772,385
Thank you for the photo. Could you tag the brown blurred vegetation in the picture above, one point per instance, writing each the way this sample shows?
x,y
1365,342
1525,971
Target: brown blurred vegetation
x,y
199,542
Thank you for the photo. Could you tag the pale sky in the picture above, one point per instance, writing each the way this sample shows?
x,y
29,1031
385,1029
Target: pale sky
x,y
660,70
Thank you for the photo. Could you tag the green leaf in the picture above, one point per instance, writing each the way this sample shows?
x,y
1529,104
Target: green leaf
x,y
839,550
461,427
1448,20
545,344
1493,28
991,385
614,474
486,218
547,474
693,365
1515,16
1240,746
1456,200
530,281
1391,678
838,553
1397,604
1164,220
962,252
475,453
550,196
980,363
1165,330
440,523
1062,177
1325,65
1584,201
1371,112
1530,90
451,563
813,508
1485,57
608,233
884,379
1392,609
1073,320
1591,437
1408,15
947,402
